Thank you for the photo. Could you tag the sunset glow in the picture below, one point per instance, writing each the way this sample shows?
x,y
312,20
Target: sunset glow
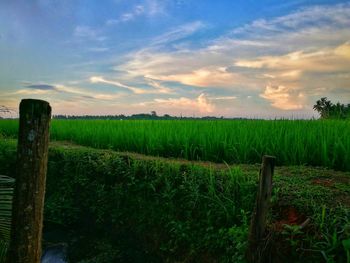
x,y
258,59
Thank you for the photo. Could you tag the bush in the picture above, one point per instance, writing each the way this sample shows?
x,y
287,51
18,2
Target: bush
x,y
118,208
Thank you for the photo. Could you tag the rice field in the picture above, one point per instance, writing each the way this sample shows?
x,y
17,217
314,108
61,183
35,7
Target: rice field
x,y
294,142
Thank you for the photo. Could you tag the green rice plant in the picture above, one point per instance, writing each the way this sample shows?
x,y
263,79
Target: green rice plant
x,y
323,216
346,245
295,142
334,226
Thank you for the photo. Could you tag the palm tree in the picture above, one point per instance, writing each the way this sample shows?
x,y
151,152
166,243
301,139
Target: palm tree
x,y
323,106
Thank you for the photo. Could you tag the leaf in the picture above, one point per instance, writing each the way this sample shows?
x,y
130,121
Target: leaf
x,y
346,244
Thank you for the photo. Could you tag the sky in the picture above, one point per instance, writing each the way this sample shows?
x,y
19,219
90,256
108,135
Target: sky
x,y
242,58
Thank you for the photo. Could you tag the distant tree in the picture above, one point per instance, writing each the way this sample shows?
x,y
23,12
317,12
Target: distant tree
x,y
5,110
328,110
138,116
323,106
153,113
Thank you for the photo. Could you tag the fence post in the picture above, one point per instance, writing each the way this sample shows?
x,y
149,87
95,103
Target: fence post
x,y
28,203
256,247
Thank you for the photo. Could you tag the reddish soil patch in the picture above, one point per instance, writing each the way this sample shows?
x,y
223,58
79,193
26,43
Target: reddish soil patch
x,y
280,247
323,182
288,216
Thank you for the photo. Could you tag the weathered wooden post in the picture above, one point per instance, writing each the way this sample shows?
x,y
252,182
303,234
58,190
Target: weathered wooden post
x,y
28,203
256,247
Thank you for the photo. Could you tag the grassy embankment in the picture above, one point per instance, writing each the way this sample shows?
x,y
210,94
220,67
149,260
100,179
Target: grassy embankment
x,y
131,208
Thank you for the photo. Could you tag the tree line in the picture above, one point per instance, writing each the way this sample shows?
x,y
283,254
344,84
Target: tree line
x,y
140,116
323,106
328,110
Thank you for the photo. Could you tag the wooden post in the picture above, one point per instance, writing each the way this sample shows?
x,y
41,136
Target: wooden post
x,y
256,247
28,203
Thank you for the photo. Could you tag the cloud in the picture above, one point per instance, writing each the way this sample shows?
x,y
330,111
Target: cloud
x,y
225,98
112,22
35,89
285,60
312,20
178,33
281,63
88,33
84,31
343,51
41,87
201,104
322,60
98,49
149,8
156,7
158,88
83,93
284,98
204,77
98,79
63,92
31,92
137,11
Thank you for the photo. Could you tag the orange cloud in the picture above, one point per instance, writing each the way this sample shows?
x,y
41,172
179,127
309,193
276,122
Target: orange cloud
x,y
200,104
204,77
284,98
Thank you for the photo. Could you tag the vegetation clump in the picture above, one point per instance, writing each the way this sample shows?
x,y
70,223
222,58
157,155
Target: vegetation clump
x,y
328,110
119,207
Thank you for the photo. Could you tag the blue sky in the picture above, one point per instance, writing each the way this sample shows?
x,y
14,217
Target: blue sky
x,y
260,59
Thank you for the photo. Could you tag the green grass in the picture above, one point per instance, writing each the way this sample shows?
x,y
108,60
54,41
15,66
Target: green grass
x,y
116,208
294,142
120,207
